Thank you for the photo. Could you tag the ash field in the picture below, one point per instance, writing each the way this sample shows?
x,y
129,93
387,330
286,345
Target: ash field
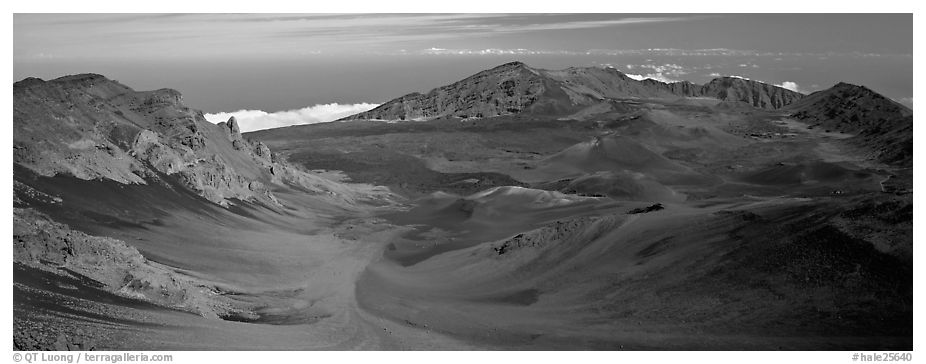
x,y
517,209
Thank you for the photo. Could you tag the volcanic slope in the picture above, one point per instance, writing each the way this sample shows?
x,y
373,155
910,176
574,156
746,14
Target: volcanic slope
x,y
743,208
516,88
672,217
882,125
139,225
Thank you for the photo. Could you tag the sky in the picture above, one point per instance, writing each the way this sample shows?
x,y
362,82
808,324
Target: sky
x,y
272,70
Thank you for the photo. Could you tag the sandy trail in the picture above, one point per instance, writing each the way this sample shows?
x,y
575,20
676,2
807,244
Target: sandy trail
x,y
329,291
296,270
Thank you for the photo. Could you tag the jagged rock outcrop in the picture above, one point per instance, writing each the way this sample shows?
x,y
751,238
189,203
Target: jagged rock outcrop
x,y
262,151
515,88
234,133
563,238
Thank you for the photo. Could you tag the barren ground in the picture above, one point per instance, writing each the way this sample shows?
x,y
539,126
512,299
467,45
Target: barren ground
x,y
772,236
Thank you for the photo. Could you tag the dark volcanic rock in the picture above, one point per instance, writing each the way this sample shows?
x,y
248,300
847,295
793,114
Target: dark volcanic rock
x,y
643,210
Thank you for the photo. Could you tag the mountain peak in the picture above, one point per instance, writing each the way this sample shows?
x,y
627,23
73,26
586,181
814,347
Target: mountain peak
x,y
27,82
515,67
860,91
503,90
82,78
846,85
79,76
850,108
879,123
96,84
514,64
90,127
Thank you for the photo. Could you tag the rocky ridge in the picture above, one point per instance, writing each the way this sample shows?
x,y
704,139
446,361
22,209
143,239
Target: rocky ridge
x,y
515,88
506,89
94,128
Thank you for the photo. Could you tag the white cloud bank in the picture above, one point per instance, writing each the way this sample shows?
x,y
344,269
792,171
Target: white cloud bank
x,y
793,86
668,73
655,76
251,120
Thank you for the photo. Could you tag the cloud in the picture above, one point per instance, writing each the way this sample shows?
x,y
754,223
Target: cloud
x,y
668,73
491,52
654,76
793,86
251,120
490,30
583,24
670,69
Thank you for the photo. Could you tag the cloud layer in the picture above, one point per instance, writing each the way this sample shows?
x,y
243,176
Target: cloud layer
x,y
655,76
793,86
251,120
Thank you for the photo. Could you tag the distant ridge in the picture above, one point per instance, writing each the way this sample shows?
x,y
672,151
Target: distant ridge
x,y
515,88
849,108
